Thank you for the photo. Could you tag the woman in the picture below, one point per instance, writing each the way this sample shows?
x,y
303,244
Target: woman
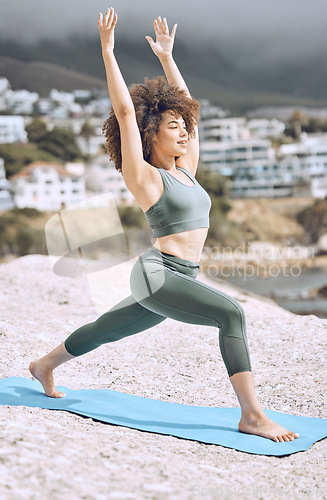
x,y
152,138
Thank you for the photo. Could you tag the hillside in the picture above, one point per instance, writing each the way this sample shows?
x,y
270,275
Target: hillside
x,y
270,219
77,63
21,74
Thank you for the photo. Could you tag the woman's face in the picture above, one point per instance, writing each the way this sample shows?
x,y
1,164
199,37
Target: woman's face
x,y
172,136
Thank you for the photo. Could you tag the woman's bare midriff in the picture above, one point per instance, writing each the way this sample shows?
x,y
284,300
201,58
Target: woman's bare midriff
x,y
187,245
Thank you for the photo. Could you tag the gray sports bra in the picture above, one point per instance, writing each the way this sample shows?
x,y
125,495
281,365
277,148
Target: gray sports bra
x,y
180,208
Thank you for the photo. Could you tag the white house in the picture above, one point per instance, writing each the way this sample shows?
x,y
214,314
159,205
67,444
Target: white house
x,y
228,157
223,129
99,107
6,200
4,86
272,179
21,102
12,129
61,97
309,158
264,127
47,187
44,106
299,170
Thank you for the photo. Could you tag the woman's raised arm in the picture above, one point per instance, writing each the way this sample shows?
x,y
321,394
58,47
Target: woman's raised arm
x,y
119,95
133,163
163,49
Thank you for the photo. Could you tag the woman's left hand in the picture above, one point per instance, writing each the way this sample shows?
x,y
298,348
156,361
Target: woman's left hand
x,y
163,46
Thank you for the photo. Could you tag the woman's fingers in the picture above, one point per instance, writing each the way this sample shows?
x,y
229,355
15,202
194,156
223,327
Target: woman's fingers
x,y
114,21
173,31
106,17
165,26
161,27
109,20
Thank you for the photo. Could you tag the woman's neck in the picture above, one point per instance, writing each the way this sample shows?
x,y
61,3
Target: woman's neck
x,y
162,161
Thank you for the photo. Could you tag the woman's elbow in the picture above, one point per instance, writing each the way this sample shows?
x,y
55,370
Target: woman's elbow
x,y
124,112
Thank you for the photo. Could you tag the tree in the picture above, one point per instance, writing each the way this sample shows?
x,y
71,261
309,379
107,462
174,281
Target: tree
x,y
296,121
87,131
36,130
61,143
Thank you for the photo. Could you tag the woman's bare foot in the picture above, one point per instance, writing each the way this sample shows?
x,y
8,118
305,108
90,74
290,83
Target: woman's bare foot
x,y
254,420
261,425
43,374
42,369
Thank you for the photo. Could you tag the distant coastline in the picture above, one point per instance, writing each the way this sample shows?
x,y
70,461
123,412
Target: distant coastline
x,y
297,285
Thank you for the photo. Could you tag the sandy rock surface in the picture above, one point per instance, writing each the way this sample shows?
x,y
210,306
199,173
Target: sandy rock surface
x,y
48,454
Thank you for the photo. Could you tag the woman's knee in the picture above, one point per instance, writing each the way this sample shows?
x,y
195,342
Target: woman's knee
x,y
233,319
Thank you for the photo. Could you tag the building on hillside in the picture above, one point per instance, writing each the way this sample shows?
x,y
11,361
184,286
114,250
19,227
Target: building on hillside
x,y
270,180
6,198
46,187
229,129
251,168
99,107
12,129
228,157
300,169
264,127
21,102
308,159
4,87
44,106
60,97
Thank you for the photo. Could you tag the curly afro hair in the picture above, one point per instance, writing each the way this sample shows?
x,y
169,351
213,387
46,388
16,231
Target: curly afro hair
x,y
150,102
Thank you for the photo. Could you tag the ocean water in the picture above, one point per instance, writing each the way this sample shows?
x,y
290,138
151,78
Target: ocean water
x,y
296,293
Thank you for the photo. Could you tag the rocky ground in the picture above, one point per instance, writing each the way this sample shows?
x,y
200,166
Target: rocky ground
x,y
48,454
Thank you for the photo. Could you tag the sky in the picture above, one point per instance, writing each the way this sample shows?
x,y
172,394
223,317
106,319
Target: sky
x,y
276,26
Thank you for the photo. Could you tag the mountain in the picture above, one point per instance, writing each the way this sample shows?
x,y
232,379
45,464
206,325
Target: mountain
x,y
77,63
41,76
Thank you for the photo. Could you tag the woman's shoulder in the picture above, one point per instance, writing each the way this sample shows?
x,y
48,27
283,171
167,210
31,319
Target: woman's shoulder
x,y
184,165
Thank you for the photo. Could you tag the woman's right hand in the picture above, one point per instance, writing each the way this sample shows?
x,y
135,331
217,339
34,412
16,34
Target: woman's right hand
x,y
106,26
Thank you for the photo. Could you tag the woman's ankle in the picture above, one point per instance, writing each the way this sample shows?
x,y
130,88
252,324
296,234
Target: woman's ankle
x,y
253,414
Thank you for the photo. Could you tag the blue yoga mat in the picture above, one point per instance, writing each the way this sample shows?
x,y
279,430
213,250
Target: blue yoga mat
x,y
197,423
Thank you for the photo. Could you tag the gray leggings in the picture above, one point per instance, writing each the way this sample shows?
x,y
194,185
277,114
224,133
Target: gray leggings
x,y
165,286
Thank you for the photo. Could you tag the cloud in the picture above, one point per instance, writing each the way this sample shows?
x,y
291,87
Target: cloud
x,y
293,24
